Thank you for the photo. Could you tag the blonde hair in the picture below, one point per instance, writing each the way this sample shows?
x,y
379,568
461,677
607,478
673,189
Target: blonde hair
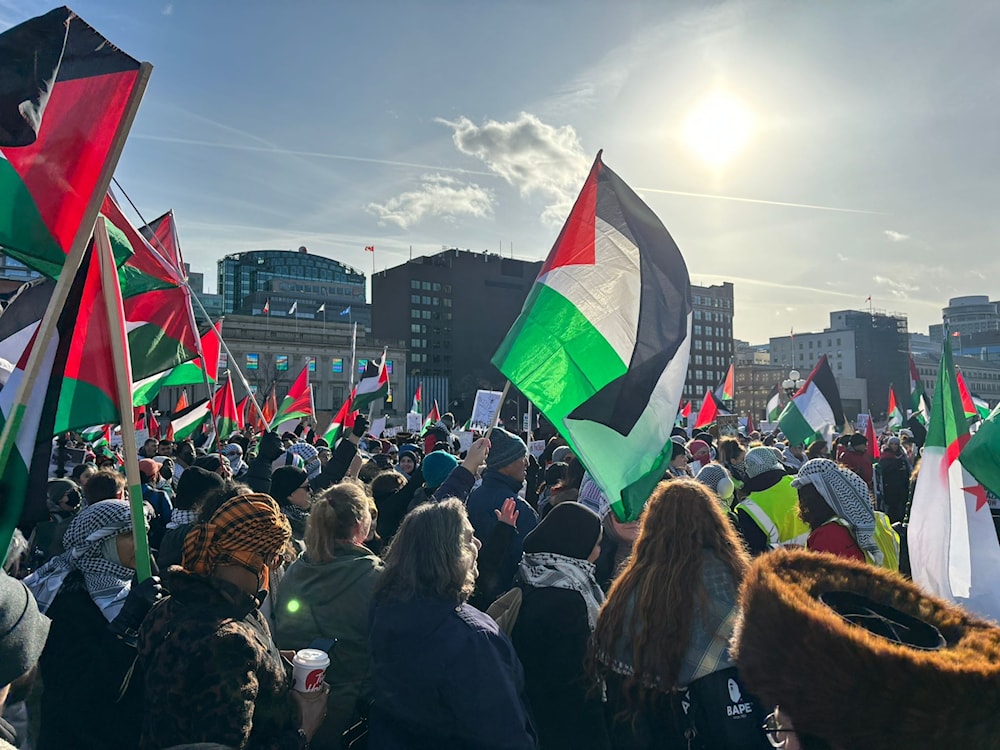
x,y
334,516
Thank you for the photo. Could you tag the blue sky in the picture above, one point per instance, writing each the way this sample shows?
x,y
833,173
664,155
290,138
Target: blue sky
x,y
337,125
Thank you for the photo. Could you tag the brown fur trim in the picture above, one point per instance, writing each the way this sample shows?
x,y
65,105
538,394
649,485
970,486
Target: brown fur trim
x,y
855,690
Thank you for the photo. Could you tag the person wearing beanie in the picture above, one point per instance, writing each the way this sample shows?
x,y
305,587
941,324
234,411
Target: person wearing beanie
x,y
506,469
408,463
769,517
23,630
193,488
718,480
291,490
560,601
63,500
159,501
793,455
561,454
855,457
701,455
434,470
679,460
857,656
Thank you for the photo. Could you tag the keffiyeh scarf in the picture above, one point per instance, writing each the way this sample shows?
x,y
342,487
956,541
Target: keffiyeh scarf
x,y
847,495
548,570
108,582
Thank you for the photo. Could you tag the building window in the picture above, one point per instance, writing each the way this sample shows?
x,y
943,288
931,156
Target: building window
x,y
699,375
223,360
697,344
311,363
425,300
426,286
281,362
414,284
338,365
362,364
435,287
698,359
425,314
253,361
415,314
415,299
388,366
697,330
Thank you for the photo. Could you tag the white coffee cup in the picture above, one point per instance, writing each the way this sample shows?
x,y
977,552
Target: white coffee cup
x,y
308,670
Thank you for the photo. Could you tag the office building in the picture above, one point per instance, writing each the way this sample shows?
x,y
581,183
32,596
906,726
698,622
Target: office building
x,y
292,284
754,383
453,308
981,377
967,315
711,339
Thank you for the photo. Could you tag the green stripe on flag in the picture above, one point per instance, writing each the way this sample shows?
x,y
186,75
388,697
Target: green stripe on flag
x,y
981,455
794,425
555,355
81,405
23,233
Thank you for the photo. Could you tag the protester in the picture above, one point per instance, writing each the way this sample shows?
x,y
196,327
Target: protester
x,y
234,453
836,505
88,593
192,490
769,517
679,460
408,463
327,593
215,462
149,473
668,617
212,618
63,501
701,455
504,476
566,488
443,674
855,457
558,612
258,475
291,490
23,630
555,475
434,469
893,479
732,457
106,484
793,455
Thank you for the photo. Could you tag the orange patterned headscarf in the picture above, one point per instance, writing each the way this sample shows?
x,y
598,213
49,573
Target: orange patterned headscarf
x,y
247,530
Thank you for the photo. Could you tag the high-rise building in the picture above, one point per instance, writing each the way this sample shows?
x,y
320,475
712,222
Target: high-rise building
x,y
292,284
453,308
967,315
711,338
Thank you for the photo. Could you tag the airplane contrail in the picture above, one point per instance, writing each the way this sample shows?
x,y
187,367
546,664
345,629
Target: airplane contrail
x,y
758,200
312,154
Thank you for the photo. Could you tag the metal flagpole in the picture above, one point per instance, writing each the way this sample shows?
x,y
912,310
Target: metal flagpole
x,y
354,346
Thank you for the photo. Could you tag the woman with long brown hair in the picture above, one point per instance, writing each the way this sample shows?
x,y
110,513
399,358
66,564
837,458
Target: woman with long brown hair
x,y
668,617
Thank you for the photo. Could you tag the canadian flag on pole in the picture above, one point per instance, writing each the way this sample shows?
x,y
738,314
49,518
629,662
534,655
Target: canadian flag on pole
x,y
369,248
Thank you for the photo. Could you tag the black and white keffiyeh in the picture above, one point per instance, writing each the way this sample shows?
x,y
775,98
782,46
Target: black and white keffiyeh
x,y
549,570
847,495
108,581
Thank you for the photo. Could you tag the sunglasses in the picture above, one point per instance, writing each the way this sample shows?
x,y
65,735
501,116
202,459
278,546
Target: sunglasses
x,y
777,735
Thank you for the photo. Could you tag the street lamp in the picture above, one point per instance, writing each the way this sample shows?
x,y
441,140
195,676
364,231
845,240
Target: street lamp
x,y
793,383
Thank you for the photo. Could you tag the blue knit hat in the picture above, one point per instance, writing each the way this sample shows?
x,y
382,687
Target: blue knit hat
x,y
436,467
505,449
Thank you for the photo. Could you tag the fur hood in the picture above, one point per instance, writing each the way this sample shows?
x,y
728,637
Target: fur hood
x,y
852,688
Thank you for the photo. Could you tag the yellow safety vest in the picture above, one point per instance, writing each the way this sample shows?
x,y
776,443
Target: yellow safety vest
x,y
885,537
776,511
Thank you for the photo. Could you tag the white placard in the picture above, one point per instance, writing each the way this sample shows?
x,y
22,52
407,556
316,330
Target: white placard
x,y
537,448
116,438
485,407
861,423
141,436
414,422
464,439
377,427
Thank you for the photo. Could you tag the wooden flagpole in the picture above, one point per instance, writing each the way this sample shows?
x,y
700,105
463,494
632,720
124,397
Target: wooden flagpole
x,y
11,511
123,382
496,414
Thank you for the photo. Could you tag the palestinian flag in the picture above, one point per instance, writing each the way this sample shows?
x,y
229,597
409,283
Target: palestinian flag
x,y
726,389
76,386
181,405
161,233
161,326
981,456
711,408
226,415
815,410
270,407
374,384
601,344
433,418
918,399
146,390
244,411
140,418
66,100
298,403
682,414
773,407
154,426
974,408
95,433
953,545
415,408
873,451
750,425
191,420
895,415
343,419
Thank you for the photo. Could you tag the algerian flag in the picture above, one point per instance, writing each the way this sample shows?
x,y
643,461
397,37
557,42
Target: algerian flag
x,y
952,542
815,410
981,456
601,345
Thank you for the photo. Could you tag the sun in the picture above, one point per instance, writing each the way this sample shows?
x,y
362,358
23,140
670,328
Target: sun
x,y
718,128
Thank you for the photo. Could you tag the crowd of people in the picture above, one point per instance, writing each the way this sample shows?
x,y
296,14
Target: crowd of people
x,y
486,598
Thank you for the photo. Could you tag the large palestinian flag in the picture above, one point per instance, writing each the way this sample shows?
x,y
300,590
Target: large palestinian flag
x,y
161,326
226,416
711,409
815,410
193,372
601,345
65,98
952,542
75,389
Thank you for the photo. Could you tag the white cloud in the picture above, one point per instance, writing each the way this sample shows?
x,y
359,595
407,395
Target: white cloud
x,y
897,287
438,195
168,9
894,236
841,257
533,156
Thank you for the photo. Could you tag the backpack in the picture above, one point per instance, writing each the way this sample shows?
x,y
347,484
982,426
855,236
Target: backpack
x,y
505,610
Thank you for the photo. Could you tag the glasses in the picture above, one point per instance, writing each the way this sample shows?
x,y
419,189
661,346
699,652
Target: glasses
x,y
774,731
